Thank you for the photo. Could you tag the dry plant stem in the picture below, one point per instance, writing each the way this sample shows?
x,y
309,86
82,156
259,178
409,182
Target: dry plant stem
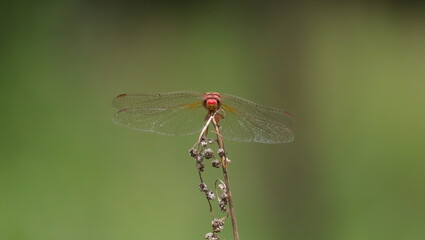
x,y
227,182
209,202
203,133
204,130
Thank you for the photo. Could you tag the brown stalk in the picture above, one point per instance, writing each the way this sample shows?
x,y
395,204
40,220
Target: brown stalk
x,y
226,180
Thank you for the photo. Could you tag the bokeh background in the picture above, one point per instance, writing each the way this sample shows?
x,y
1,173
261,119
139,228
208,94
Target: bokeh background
x,y
351,73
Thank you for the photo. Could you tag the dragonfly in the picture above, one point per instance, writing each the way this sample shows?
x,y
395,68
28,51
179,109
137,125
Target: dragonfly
x,y
185,113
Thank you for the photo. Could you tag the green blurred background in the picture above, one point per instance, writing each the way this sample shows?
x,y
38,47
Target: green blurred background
x,y
351,73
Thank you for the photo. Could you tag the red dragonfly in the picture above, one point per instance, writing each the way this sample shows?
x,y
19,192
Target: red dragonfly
x,y
184,113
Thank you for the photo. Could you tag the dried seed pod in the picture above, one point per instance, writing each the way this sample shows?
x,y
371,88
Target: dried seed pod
x,y
193,152
208,235
211,236
221,152
222,206
200,166
204,143
208,153
224,196
216,163
203,187
199,158
217,225
210,195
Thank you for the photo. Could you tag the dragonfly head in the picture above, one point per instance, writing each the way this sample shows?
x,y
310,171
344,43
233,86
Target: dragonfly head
x,y
212,101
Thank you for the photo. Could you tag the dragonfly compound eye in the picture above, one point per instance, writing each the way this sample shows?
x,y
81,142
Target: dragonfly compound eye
x,y
211,104
211,101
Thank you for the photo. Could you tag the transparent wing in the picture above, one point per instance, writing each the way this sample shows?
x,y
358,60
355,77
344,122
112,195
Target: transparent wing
x,y
246,121
176,113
